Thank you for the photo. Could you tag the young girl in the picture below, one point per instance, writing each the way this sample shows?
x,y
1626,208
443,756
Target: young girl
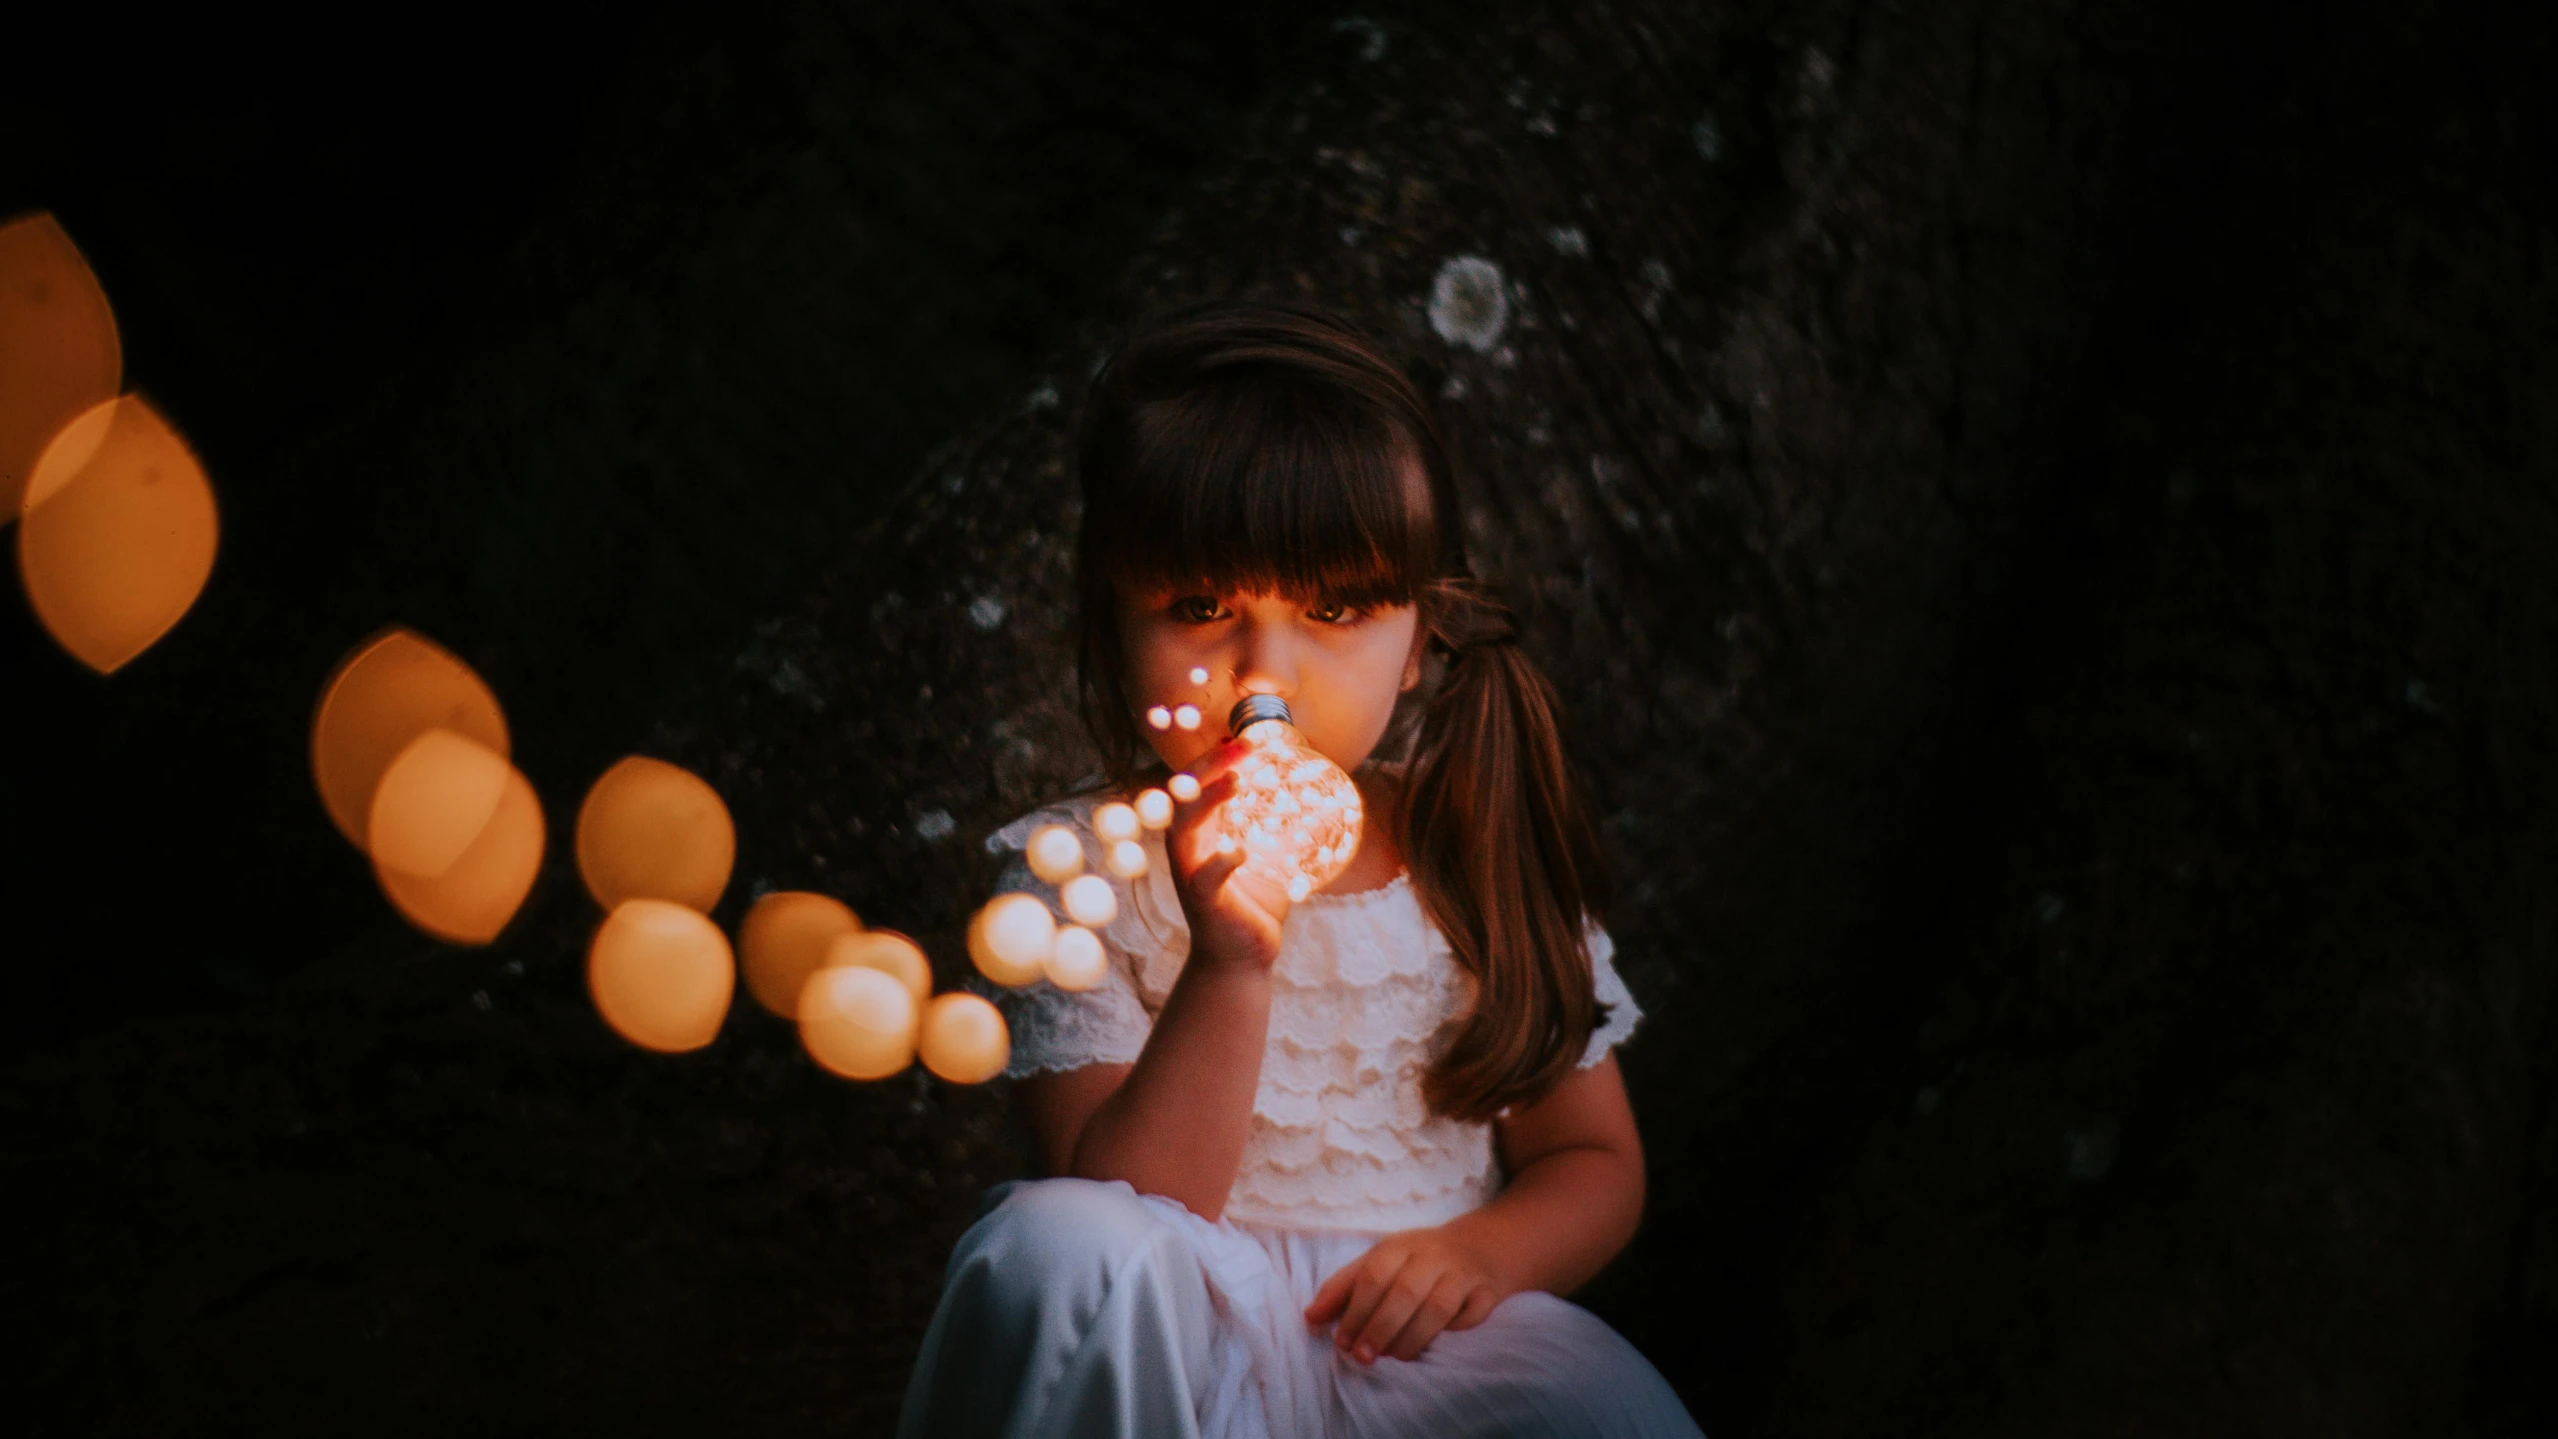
x,y
1322,1167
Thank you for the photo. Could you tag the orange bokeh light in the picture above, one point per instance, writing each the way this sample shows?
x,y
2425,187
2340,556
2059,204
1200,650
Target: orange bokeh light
x,y
433,801
1010,938
474,897
393,688
858,1022
963,1039
652,830
59,354
661,975
784,940
117,533
889,952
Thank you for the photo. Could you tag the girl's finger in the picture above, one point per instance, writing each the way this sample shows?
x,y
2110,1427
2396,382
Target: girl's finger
x,y
1376,1276
1479,1303
1332,1294
1189,840
1402,1299
1437,1308
1212,873
1216,764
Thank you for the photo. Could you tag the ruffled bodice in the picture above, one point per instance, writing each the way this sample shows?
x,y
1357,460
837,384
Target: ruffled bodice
x,y
1366,994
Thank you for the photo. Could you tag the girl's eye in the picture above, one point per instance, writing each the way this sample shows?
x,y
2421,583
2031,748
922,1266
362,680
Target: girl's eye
x,y
1198,609
1331,612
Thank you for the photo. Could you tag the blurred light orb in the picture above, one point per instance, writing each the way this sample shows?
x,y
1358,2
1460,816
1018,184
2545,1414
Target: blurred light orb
x,y
1187,716
661,975
858,1022
963,1039
785,939
1127,859
1115,822
433,802
1089,901
1011,937
652,830
117,533
890,953
474,897
1154,808
60,355
1159,717
1055,854
382,696
1077,963
1184,787
1199,674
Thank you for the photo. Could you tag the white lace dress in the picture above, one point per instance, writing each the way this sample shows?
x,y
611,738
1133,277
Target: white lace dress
x,y
1080,1308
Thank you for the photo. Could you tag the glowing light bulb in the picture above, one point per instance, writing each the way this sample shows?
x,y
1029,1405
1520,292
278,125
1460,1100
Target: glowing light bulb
x,y
1055,855
1114,822
785,939
890,953
1078,962
1199,674
1159,717
1298,814
1187,716
858,1022
1154,808
1127,859
661,975
1184,787
652,830
1089,901
963,1039
1011,937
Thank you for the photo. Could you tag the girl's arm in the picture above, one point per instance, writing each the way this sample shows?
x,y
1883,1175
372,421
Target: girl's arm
x,y
1574,1197
1174,1123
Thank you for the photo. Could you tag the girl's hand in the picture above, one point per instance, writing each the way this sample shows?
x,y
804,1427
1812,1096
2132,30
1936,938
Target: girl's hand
x,y
1234,915
1395,1298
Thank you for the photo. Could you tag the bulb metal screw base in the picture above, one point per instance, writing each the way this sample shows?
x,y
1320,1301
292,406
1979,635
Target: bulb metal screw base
x,y
1253,709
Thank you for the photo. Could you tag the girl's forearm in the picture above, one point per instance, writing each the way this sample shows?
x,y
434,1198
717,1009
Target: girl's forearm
x,y
1559,1220
1176,1125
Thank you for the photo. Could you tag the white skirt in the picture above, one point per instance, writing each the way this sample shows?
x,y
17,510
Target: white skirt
x,y
1076,1310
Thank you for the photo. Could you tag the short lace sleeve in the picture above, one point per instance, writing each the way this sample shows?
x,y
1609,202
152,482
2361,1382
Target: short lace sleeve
x,y
1056,1029
1622,1010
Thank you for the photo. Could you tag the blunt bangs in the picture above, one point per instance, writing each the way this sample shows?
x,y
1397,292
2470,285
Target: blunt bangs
x,y
1260,482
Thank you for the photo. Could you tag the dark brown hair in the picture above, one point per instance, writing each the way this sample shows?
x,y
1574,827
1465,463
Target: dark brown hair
x,y
1265,448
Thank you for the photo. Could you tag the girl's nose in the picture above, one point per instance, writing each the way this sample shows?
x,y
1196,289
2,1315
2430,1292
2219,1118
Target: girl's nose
x,y
1267,664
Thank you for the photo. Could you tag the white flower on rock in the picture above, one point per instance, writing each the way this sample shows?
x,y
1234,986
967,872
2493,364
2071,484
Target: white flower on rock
x,y
1469,303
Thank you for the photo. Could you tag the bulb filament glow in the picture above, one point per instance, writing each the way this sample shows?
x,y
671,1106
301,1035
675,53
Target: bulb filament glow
x,y
1294,813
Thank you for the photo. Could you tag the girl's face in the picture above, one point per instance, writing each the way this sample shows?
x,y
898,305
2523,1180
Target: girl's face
x,y
1339,669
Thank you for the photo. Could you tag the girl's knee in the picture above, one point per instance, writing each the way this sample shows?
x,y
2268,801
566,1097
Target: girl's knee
x,y
1049,1235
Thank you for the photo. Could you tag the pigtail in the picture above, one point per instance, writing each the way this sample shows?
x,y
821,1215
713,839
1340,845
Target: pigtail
x,y
1505,859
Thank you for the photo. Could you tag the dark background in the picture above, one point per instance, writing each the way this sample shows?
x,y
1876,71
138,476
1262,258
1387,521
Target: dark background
x,y
2052,570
